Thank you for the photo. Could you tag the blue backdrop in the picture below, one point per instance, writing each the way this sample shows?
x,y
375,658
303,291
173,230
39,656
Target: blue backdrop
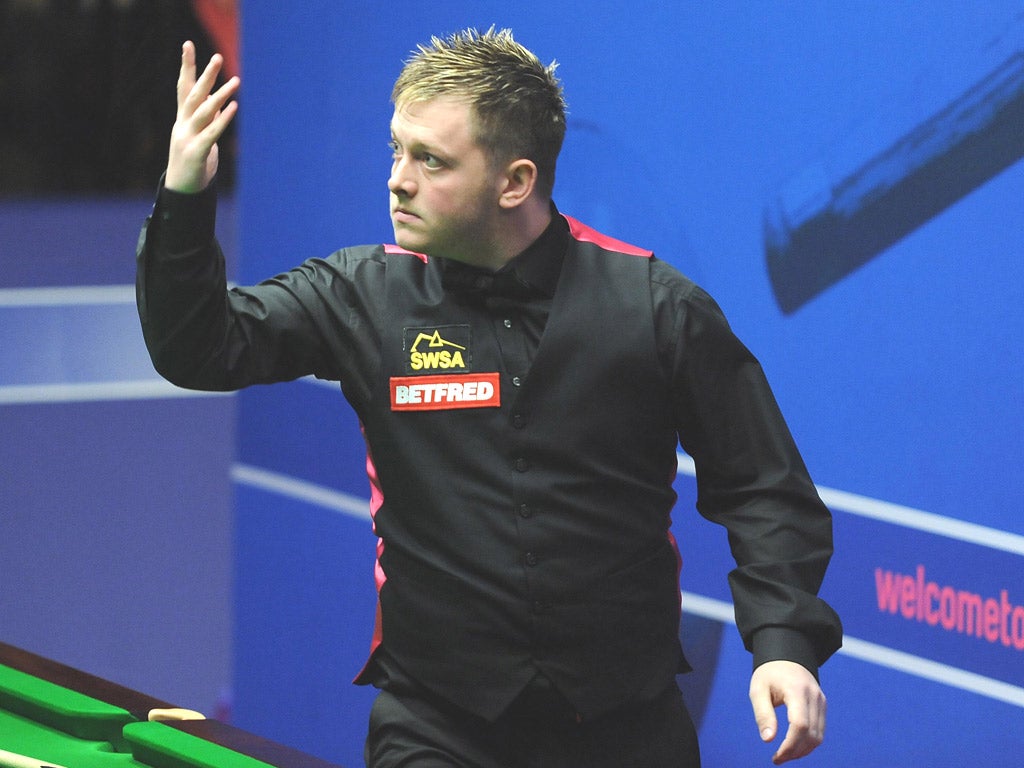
x,y
843,177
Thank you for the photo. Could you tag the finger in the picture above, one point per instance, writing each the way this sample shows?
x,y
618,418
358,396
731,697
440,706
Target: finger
x,y
764,712
792,746
204,85
806,728
798,743
187,72
214,114
200,89
219,124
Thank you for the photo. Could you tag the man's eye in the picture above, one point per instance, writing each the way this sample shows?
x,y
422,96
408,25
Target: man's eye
x,y
431,162
396,149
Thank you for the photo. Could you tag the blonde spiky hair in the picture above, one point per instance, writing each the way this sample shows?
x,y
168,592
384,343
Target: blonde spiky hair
x,y
517,101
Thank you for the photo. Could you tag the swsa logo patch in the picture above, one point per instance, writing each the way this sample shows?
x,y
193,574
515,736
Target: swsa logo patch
x,y
437,349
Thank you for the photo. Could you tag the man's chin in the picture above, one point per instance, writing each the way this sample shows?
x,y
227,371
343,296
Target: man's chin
x,y
408,243
402,234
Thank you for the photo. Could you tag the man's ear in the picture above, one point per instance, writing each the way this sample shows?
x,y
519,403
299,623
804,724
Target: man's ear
x,y
518,183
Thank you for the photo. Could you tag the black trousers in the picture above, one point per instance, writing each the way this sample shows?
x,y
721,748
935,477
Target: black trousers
x,y
411,728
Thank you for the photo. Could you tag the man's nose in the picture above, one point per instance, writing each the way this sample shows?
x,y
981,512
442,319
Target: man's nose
x,y
399,182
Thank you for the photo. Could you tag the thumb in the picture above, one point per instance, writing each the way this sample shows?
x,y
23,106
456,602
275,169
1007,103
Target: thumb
x,y
764,712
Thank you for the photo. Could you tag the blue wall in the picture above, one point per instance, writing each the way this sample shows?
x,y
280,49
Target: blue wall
x,y
115,497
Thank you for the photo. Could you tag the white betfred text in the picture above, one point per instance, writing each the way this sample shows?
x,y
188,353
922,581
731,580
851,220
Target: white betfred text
x,y
422,393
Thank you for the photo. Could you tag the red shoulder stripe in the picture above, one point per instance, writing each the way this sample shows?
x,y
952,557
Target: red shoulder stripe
x,y
586,234
390,248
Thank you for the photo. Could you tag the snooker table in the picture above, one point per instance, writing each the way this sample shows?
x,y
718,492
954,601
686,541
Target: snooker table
x,y
69,718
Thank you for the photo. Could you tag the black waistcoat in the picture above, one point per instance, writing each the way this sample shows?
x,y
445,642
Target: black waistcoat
x,y
530,535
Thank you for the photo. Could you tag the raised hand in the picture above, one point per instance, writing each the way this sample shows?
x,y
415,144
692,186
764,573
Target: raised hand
x,y
202,118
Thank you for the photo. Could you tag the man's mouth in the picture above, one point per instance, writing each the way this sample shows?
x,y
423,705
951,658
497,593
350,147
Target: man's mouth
x,y
403,215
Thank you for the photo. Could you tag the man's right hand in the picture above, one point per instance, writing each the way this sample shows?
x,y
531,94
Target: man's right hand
x,y
201,120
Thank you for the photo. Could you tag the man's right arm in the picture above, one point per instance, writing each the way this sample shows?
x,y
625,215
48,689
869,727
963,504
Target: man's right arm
x,y
180,278
180,286
199,334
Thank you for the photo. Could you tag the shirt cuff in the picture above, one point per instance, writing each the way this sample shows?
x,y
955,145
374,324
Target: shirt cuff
x,y
186,221
784,644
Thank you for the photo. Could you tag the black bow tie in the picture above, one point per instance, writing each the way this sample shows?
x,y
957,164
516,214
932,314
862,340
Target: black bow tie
x,y
461,279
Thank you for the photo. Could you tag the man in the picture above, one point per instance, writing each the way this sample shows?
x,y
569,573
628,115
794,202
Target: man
x,y
522,382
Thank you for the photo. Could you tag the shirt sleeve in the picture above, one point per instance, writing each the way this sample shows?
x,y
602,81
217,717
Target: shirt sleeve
x,y
751,479
200,334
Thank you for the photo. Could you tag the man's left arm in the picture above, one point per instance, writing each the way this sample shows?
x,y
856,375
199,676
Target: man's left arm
x,y
752,480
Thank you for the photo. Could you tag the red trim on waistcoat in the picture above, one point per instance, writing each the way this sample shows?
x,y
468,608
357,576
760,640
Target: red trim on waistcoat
x,y
586,234
379,577
394,249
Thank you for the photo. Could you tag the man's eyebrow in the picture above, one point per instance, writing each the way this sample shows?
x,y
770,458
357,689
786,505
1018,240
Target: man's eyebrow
x,y
413,142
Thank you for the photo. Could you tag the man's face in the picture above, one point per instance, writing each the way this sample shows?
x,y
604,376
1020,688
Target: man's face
x,y
444,190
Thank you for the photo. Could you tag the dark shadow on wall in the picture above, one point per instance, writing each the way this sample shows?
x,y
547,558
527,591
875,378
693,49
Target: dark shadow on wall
x,y
87,93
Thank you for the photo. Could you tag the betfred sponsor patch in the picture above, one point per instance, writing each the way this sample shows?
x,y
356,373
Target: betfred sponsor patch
x,y
442,393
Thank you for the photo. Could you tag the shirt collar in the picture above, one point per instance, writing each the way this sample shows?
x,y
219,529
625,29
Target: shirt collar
x,y
534,272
